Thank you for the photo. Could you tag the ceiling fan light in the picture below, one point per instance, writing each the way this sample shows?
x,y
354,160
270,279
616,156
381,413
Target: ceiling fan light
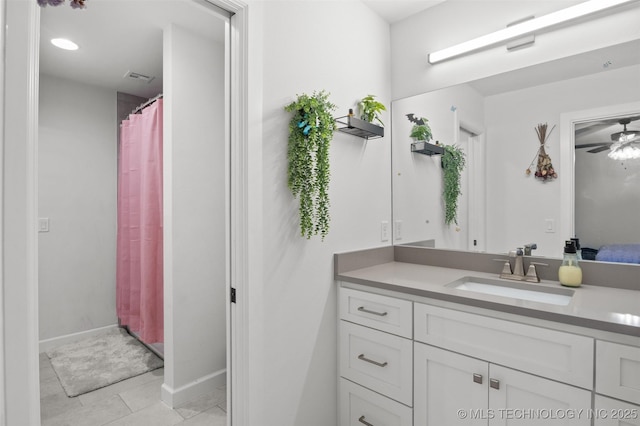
x,y
621,152
627,136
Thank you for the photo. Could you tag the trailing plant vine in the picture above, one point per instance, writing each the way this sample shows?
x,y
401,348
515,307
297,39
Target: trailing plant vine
x,y
453,163
310,132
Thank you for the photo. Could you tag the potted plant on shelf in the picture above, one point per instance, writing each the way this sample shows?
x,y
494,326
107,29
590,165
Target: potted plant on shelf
x,y
370,109
453,162
420,130
310,132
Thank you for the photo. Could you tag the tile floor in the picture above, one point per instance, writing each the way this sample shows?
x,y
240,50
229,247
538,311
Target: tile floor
x,y
132,402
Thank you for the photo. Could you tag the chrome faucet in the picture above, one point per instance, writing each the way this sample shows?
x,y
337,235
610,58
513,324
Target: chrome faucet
x,y
517,273
528,248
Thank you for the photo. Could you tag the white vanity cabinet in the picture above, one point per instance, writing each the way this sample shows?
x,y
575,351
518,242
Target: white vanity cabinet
x,y
375,359
454,389
617,401
403,362
501,372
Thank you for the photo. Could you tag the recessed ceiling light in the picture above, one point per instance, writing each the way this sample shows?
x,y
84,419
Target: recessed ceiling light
x,y
63,43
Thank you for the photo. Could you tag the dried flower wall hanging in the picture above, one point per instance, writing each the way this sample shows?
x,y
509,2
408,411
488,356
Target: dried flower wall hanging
x,y
76,4
544,169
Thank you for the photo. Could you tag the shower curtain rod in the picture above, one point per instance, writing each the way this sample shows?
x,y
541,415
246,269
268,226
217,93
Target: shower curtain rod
x,y
146,104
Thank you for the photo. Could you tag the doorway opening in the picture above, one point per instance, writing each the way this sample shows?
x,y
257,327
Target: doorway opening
x,y
181,50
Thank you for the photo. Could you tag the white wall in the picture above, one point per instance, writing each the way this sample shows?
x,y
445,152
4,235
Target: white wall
x,y
342,47
77,164
454,22
518,205
607,194
19,239
195,173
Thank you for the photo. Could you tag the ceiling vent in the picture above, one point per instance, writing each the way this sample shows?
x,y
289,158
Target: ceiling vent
x,y
139,77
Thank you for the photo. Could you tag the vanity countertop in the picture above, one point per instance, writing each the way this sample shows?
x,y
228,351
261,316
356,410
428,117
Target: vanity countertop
x,y
604,308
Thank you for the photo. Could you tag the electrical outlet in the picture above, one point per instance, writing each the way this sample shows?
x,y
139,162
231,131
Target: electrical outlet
x,y
397,230
384,231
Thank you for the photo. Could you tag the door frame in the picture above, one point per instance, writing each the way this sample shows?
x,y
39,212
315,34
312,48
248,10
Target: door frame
x,y
237,229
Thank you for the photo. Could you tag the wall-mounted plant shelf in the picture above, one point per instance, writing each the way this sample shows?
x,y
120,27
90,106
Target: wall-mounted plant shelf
x,y
426,148
356,127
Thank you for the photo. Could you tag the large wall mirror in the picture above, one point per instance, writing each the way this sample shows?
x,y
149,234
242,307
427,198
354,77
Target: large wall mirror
x,y
585,99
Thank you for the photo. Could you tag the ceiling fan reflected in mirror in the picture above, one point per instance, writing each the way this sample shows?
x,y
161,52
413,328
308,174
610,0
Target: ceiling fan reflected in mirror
x,y
624,144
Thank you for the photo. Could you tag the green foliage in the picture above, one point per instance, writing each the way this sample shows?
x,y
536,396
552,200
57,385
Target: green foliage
x,y
453,163
421,132
310,132
370,109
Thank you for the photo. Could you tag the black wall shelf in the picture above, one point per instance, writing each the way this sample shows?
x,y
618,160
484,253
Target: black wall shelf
x,y
426,148
356,127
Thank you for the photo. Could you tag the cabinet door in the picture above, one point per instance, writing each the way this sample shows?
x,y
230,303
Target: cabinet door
x,y
517,398
611,412
450,389
361,407
618,371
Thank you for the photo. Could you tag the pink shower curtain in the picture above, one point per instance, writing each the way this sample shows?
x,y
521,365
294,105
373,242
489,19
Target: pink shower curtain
x,y
139,273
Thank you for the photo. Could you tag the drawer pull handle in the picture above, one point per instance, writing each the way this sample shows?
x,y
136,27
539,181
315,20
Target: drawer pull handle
x,y
379,364
495,384
365,310
364,422
477,378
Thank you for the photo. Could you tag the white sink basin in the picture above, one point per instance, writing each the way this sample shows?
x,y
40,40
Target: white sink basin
x,y
514,290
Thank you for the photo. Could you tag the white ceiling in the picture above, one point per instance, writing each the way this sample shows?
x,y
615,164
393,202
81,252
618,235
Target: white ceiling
x,y
599,60
117,36
396,10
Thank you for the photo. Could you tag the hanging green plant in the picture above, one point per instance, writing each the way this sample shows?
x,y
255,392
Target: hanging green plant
x,y
370,109
453,163
310,132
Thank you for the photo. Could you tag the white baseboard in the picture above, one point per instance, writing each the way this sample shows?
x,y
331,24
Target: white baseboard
x,y
176,397
47,344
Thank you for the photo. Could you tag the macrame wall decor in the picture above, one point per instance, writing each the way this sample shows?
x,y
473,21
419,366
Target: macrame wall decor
x,y
544,169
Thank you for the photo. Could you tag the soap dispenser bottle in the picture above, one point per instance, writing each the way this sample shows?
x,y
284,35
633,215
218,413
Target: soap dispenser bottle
x,y
570,273
578,250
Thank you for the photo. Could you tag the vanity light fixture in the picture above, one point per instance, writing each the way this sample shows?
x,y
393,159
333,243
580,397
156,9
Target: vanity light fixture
x,y
524,28
64,43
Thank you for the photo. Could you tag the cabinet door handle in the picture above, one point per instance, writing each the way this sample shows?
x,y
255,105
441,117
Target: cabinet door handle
x,y
477,378
367,311
494,383
364,422
379,364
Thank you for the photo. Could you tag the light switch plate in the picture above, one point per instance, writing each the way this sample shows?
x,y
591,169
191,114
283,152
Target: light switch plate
x,y
43,224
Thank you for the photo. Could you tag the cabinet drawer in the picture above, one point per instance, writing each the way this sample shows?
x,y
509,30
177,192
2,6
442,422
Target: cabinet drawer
x,y
376,311
379,361
618,371
360,406
557,355
611,412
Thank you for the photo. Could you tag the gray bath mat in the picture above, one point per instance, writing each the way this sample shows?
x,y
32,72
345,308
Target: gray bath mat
x,y
100,361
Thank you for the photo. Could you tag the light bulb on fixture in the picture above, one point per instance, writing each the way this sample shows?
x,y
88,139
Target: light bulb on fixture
x,y
525,28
